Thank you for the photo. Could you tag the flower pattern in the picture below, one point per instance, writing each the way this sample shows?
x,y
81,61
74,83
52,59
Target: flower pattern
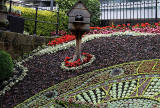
x,y
122,90
115,85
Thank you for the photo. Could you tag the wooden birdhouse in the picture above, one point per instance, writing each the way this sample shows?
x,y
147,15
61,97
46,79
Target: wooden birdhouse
x,y
79,18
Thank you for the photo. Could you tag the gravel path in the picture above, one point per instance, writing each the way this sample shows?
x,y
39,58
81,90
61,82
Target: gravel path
x,y
45,71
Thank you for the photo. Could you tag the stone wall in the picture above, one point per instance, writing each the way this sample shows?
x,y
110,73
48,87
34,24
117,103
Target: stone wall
x,y
17,44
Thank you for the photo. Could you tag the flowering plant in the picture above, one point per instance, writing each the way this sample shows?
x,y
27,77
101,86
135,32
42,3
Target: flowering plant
x,y
143,28
139,27
69,63
62,39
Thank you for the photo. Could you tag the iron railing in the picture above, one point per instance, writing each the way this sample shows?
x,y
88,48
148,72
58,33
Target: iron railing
x,y
129,11
12,3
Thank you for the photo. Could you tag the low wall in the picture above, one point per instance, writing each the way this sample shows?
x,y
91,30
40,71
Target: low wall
x,y
17,44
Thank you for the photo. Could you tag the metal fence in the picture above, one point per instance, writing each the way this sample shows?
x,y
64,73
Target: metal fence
x,y
12,18
129,11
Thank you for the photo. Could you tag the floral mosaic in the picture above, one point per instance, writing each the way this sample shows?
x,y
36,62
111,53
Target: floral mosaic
x,y
116,89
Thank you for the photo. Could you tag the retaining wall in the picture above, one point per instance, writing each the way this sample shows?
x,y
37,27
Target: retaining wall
x,y
17,44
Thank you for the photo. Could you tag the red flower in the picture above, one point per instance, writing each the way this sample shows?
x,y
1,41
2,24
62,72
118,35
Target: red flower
x,y
104,27
128,24
84,53
107,26
118,25
66,59
92,27
113,26
77,62
147,23
156,24
137,25
98,28
124,25
143,25
62,39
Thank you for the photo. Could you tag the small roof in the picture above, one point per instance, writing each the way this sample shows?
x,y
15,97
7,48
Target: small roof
x,y
76,5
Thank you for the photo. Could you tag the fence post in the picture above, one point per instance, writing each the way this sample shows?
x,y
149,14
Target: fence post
x,y
57,25
35,26
156,16
10,6
51,5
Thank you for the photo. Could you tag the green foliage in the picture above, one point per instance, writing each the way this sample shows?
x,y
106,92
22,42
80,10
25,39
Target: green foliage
x,y
61,104
6,65
43,29
92,5
13,10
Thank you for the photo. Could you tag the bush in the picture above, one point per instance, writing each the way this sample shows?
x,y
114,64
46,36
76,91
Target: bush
x,y
43,29
92,5
6,65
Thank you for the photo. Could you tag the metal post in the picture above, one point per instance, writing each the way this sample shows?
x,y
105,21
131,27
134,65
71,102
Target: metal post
x,y
148,10
140,11
101,13
10,6
117,6
51,5
156,16
107,12
130,12
57,25
144,11
110,9
126,11
35,26
104,14
137,11
133,11
120,11
123,11
113,10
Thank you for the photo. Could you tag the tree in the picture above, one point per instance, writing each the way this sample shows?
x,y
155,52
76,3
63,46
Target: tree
x,y
92,5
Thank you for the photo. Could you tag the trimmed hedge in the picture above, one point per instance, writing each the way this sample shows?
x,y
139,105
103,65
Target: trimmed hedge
x,y
43,29
6,65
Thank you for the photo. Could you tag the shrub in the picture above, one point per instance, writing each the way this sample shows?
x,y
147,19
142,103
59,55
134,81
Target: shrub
x,y
43,29
6,65
92,5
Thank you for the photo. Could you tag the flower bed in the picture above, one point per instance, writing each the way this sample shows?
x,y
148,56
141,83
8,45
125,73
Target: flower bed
x,y
69,65
61,40
142,28
109,49
109,91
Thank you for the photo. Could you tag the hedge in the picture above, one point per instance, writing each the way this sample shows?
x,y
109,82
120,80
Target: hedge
x,y
6,65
